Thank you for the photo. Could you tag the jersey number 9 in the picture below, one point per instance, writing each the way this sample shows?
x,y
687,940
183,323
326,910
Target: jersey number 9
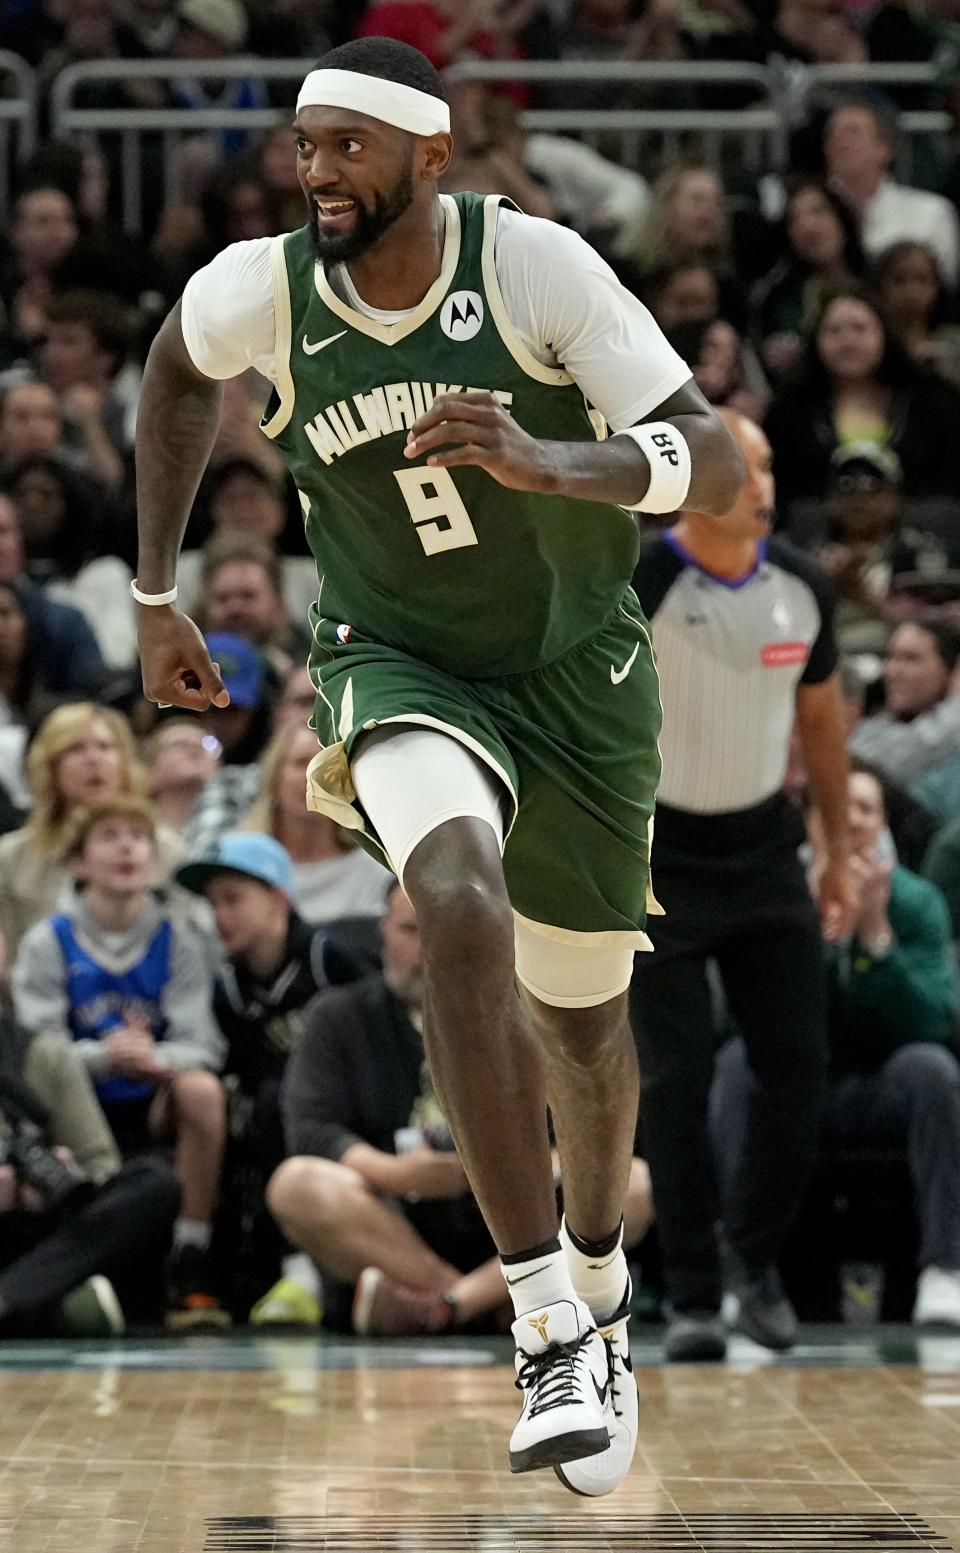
x,y
436,509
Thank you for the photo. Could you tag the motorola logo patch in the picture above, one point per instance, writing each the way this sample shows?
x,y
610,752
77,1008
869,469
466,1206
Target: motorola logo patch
x,y
461,316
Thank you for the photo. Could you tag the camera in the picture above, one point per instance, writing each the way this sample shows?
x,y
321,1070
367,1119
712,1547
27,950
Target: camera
x,y
59,1183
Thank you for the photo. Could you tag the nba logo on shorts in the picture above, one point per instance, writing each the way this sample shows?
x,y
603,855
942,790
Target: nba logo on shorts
x,y
344,634
461,315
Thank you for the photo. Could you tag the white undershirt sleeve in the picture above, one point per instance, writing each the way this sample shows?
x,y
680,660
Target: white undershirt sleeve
x,y
570,310
227,312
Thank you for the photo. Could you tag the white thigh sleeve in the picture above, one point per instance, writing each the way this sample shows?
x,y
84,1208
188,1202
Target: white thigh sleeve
x,y
410,780
574,970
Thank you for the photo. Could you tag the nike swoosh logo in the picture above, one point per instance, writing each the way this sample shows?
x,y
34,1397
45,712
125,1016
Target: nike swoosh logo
x,y
512,1281
311,350
616,676
600,1390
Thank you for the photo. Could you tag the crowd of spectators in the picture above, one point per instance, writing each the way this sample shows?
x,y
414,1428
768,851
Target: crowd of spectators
x,y
213,999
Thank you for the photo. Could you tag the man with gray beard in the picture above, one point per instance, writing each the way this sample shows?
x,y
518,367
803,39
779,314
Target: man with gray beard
x,y
374,1191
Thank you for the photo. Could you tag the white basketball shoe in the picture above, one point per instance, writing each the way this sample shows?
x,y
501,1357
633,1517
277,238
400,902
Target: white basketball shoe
x,y
601,1473
563,1372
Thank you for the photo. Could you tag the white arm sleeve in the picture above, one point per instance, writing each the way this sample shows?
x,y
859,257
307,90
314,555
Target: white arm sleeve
x,y
570,310
227,312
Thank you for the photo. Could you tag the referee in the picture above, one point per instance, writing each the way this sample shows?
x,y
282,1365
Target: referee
x,y
743,636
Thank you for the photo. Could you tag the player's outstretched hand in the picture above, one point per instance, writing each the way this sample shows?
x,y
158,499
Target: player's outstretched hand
x,y
475,428
176,667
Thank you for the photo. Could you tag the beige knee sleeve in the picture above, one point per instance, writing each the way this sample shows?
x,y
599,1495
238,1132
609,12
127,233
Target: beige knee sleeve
x,y
574,970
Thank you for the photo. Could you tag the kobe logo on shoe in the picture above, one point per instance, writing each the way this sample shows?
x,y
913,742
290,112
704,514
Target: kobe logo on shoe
x,y
539,1323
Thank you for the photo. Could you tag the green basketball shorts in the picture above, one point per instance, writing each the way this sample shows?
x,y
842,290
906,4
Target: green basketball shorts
x,y
574,744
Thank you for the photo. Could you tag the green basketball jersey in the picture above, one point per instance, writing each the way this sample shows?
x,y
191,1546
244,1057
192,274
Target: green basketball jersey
x,y
446,565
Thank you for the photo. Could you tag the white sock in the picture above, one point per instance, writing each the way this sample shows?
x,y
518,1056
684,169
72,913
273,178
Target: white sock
x,y
191,1232
541,1281
599,1281
304,1272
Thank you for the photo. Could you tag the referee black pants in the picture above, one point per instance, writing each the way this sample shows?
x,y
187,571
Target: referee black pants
x,y
734,893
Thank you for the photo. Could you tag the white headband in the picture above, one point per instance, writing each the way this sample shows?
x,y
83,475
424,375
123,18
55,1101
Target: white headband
x,y
402,106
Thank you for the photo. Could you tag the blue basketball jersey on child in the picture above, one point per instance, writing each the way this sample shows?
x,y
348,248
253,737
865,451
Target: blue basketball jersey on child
x,y
101,1000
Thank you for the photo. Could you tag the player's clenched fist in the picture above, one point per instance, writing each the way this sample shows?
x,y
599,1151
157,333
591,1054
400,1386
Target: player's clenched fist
x,y
177,670
475,428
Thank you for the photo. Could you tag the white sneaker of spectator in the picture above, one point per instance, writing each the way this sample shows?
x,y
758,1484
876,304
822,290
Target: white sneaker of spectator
x,y
938,1298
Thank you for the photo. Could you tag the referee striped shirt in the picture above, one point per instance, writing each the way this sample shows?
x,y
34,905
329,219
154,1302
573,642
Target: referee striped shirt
x,y
730,657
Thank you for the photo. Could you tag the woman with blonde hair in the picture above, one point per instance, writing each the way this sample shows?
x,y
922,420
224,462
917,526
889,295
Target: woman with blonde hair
x,y
81,752
687,218
333,876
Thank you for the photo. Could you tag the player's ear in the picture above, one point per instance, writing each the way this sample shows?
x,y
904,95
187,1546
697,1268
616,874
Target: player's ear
x,y
437,155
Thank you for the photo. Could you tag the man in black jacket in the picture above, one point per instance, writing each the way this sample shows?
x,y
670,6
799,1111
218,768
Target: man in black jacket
x,y
375,1191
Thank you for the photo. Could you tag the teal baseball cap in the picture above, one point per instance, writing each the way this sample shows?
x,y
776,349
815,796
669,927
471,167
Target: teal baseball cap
x,y
246,852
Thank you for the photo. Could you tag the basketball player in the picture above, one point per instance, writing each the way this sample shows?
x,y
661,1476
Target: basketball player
x,y
487,703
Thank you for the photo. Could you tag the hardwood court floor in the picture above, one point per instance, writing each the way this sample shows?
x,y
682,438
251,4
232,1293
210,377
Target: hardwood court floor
x,y
207,1445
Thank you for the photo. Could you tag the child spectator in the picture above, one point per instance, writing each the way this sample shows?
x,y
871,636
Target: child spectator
x,y
129,983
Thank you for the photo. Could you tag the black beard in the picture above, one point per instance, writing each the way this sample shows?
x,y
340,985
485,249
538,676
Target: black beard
x,y
370,226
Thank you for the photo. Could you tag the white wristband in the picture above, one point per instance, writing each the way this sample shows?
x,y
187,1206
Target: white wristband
x,y
153,598
668,455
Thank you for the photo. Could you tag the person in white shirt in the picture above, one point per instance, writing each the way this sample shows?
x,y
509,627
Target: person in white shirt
x,y
858,148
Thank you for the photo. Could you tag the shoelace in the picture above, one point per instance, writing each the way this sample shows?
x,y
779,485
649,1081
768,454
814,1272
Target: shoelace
x,y
552,1375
